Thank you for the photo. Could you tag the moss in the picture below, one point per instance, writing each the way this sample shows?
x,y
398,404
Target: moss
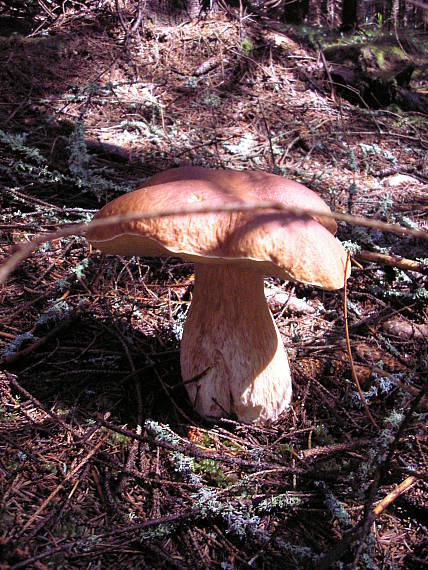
x,y
118,439
247,46
213,470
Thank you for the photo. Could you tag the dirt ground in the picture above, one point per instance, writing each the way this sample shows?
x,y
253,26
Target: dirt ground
x,y
103,462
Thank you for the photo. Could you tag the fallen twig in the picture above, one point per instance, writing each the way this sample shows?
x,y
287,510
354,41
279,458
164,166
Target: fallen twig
x,y
12,380
394,494
129,530
359,531
348,347
392,261
335,448
78,229
10,359
192,450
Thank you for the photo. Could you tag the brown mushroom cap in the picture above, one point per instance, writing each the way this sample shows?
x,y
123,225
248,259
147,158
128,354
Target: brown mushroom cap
x,y
273,242
263,186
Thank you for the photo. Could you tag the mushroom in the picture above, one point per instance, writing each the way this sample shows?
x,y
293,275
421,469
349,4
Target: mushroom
x,y
232,357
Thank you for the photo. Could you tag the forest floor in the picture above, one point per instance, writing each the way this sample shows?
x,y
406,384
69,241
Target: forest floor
x,y
103,461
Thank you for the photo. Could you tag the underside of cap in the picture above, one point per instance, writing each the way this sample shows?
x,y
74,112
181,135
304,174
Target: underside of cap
x,y
273,242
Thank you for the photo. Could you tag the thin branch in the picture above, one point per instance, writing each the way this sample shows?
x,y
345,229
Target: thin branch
x,y
78,229
122,20
394,494
12,358
348,347
12,380
129,530
359,531
139,17
316,452
190,449
268,134
327,70
392,261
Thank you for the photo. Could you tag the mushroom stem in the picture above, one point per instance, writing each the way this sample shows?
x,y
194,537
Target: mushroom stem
x,y
232,349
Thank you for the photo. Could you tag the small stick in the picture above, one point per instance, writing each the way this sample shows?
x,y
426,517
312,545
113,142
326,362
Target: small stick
x,y
190,449
11,358
330,80
348,347
78,229
335,448
394,494
37,403
360,530
268,136
392,261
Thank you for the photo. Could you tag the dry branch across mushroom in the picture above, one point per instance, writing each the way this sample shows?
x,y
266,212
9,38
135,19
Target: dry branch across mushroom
x,y
232,358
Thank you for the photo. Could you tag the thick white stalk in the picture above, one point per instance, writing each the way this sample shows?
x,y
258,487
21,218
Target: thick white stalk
x,y
230,333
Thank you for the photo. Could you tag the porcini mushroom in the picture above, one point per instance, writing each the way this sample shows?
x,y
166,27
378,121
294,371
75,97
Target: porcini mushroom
x,y
232,357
